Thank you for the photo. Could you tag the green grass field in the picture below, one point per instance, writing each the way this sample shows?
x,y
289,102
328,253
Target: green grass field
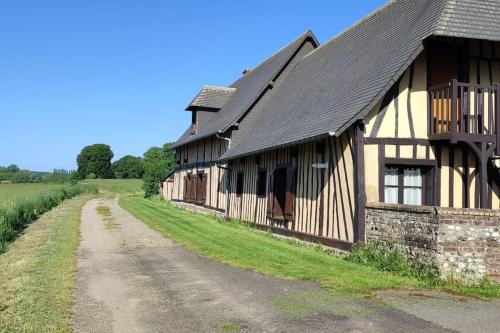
x,y
117,185
240,245
13,192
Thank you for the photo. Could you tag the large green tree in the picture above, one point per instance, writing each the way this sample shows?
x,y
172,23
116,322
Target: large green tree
x,y
95,161
158,161
128,167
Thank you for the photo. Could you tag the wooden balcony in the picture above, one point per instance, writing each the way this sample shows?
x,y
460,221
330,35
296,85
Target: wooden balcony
x,y
465,112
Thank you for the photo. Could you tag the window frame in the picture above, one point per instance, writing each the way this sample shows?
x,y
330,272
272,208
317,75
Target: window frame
x,y
427,172
261,183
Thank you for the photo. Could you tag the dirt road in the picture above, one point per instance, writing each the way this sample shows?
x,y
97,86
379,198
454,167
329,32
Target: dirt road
x,y
131,279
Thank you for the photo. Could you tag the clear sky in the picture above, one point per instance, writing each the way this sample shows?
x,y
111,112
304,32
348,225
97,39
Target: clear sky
x,y
74,73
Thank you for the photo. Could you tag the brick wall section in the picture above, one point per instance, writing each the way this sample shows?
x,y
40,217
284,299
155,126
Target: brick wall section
x,y
462,242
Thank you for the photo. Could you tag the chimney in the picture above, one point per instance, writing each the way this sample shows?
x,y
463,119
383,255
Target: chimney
x,y
246,70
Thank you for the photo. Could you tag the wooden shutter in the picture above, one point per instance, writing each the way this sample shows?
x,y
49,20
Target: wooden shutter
x,y
291,185
194,187
270,196
203,195
198,188
185,195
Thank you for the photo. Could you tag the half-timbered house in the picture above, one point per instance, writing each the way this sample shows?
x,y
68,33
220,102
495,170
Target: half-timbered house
x,y
402,108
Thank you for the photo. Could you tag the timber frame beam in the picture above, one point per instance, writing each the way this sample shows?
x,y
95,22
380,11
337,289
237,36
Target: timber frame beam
x,y
359,179
483,154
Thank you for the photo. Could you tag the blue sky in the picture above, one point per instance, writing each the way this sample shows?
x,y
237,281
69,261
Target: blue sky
x,y
119,72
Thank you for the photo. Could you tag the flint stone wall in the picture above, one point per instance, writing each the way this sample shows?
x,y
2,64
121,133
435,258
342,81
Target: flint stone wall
x,y
461,242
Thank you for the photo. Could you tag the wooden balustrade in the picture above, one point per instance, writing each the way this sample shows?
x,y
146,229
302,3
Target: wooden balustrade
x,y
464,112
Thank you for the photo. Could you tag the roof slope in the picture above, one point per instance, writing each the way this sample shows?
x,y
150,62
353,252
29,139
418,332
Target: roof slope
x,y
248,89
477,19
210,98
341,81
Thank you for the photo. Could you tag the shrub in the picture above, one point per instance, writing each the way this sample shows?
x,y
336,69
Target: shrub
x,y
128,167
15,216
390,258
157,163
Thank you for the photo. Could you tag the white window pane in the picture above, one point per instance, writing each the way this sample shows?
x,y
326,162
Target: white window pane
x,y
412,177
391,195
412,196
391,176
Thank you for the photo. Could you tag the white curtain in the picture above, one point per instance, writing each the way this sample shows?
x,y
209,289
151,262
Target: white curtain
x,y
391,185
412,187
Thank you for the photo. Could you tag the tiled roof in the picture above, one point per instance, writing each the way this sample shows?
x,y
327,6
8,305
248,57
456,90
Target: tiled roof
x,y
479,19
210,98
248,90
341,81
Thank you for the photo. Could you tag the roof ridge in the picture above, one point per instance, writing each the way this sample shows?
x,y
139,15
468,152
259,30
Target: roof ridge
x,y
217,87
302,37
441,23
307,32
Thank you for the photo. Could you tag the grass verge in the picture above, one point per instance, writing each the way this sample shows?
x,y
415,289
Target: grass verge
x,y
239,245
37,272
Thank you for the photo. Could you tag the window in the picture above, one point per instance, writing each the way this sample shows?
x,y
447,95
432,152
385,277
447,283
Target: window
x,y
239,184
261,183
408,185
412,186
391,185
281,196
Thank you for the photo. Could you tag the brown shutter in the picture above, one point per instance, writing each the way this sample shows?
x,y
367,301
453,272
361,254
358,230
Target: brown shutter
x,y
190,189
185,196
270,196
194,192
291,185
204,188
197,196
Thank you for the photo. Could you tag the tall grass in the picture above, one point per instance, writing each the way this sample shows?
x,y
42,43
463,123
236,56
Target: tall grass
x,y
16,215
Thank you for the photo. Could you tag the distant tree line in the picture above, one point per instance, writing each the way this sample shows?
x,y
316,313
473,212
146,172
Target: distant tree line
x,y
14,174
94,161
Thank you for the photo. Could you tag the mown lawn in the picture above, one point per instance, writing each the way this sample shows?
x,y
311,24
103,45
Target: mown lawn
x,y
117,185
13,192
240,245
37,272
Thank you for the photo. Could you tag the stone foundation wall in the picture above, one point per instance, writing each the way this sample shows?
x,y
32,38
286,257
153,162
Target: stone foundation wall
x,y
461,242
197,208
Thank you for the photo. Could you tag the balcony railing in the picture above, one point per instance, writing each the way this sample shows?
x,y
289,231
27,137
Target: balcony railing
x,y
464,112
